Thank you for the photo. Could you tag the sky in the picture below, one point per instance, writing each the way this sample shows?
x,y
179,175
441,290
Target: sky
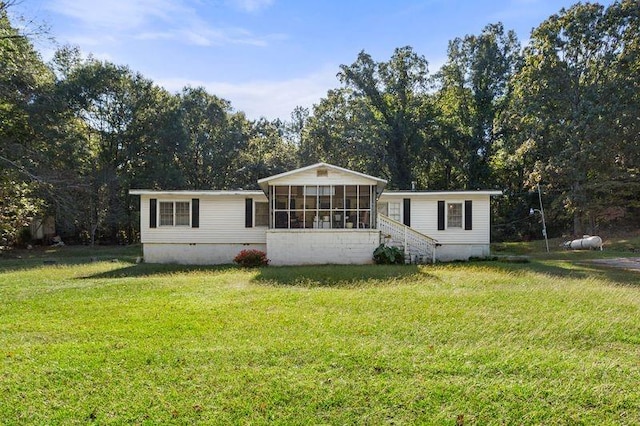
x,y
268,56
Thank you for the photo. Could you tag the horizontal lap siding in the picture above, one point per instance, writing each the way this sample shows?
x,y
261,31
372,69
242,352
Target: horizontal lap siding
x,y
333,177
222,220
424,217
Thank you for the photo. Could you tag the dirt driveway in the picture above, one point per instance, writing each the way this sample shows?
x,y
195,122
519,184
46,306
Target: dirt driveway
x,y
628,263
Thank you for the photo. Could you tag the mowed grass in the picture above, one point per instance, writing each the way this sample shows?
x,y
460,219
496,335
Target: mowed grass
x,y
547,342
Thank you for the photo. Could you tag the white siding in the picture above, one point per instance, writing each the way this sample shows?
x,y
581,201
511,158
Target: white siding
x,y
454,243
334,177
222,221
319,247
424,216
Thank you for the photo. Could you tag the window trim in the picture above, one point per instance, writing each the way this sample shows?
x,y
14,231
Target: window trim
x,y
448,218
174,214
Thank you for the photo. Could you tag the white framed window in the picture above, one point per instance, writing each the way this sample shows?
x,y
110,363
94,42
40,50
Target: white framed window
x,y
182,213
175,213
454,215
261,214
394,211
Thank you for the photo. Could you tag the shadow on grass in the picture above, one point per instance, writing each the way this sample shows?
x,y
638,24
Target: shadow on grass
x,y
337,275
150,269
39,256
567,268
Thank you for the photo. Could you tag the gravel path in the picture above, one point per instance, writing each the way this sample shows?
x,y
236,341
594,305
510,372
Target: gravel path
x,y
629,263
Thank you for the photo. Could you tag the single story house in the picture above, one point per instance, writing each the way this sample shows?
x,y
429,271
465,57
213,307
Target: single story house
x,y
319,214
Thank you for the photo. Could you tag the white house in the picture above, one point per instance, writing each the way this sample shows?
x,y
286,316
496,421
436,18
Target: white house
x,y
320,214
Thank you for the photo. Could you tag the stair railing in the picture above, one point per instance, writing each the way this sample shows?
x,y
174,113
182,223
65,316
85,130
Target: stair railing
x,y
411,239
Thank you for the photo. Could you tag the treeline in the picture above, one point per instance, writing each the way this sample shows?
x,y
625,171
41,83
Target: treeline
x,y
563,111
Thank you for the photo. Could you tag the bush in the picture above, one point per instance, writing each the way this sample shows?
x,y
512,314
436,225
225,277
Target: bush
x,y
387,255
251,258
24,237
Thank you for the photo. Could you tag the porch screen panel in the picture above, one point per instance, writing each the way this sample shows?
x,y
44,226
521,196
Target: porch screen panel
x,y
364,206
280,207
296,206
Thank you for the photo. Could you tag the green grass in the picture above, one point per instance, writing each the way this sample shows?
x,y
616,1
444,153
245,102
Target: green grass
x,y
553,341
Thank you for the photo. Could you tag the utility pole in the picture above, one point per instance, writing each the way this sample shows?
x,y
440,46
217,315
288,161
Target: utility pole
x,y
544,224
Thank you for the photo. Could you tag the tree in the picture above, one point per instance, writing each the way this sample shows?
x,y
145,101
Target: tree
x,y
473,92
573,120
23,76
379,121
214,139
343,131
267,153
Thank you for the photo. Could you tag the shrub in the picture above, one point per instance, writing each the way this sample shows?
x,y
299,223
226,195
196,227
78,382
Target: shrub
x,y
388,255
251,258
24,237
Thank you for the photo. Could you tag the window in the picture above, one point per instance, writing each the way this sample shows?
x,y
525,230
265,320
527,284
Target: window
x,y
262,214
166,214
182,213
174,213
454,215
394,211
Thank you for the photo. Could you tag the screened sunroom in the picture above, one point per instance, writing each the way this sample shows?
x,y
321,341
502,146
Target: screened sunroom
x,y
322,206
322,196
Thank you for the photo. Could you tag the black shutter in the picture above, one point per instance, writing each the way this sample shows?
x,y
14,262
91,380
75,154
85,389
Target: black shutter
x,y
248,213
153,213
440,215
468,215
195,212
406,215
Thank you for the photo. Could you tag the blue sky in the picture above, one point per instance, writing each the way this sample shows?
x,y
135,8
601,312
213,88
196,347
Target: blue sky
x,y
268,56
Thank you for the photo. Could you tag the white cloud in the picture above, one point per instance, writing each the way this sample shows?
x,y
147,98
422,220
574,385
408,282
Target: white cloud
x,y
270,99
251,5
110,21
117,15
211,37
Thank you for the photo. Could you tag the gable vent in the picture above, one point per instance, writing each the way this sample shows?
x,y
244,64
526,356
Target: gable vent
x,y
322,173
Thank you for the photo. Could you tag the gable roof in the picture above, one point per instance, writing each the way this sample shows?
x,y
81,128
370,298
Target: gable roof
x,y
264,182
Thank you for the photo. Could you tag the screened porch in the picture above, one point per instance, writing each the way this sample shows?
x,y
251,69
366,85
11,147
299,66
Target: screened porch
x,y
322,206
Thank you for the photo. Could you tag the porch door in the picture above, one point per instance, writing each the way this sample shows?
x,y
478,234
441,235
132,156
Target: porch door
x,y
383,208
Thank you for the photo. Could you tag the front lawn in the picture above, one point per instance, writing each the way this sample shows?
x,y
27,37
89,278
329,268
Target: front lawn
x,y
547,342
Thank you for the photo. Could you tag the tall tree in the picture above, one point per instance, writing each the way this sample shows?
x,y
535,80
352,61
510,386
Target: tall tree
x,y
23,77
473,92
343,131
395,94
267,153
215,137
567,105
114,111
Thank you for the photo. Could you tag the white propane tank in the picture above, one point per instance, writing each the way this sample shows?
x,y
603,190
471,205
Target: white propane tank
x,y
587,242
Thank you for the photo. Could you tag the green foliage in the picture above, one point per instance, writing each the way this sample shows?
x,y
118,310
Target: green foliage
x,y
499,343
571,111
388,255
251,258
78,133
